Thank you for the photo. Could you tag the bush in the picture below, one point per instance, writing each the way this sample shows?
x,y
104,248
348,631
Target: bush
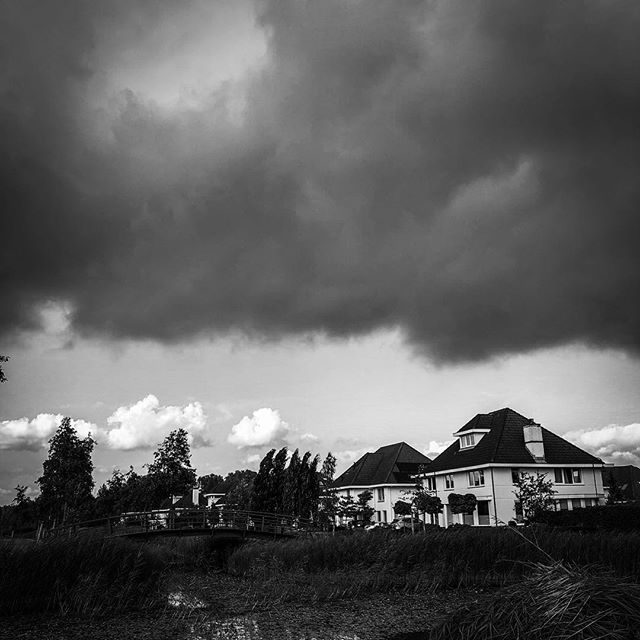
x,y
82,576
611,517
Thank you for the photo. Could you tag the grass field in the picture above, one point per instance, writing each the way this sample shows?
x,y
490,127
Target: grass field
x,y
535,581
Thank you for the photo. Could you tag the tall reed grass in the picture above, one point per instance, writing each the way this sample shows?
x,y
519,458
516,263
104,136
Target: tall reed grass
x,y
553,601
385,561
86,577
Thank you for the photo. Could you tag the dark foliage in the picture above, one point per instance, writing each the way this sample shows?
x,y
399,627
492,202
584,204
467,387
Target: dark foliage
x,y
84,577
624,517
462,503
67,476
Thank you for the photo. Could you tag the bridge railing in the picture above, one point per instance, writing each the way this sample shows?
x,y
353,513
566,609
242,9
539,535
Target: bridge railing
x,y
164,521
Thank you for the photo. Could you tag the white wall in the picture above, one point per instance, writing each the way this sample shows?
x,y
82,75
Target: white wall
x,y
498,489
392,493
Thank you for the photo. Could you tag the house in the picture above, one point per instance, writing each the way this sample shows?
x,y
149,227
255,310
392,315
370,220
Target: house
x,y
388,473
195,499
627,480
489,453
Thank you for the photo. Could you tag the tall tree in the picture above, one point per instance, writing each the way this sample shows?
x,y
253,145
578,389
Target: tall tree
x,y
278,481
328,500
3,378
67,475
171,472
238,487
311,490
125,492
210,482
262,494
293,493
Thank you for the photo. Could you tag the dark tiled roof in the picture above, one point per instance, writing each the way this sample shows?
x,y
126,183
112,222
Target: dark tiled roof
x,y
184,502
394,463
505,444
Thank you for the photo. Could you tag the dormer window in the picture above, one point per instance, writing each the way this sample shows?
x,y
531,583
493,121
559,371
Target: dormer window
x,y
468,441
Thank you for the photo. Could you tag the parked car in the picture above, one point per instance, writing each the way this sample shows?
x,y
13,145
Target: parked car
x,y
404,524
377,526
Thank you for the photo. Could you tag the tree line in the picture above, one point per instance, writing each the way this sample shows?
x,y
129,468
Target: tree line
x,y
288,484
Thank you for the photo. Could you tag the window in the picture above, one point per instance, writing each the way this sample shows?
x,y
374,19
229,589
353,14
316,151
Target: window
x,y
515,475
348,493
576,503
476,478
568,476
434,518
483,512
448,481
467,518
563,505
384,516
430,483
380,494
468,441
378,517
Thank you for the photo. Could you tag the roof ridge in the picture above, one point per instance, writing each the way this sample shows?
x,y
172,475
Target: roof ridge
x,y
500,434
395,460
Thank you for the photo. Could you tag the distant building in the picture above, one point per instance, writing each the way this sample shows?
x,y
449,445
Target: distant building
x,y
388,473
490,452
627,477
195,499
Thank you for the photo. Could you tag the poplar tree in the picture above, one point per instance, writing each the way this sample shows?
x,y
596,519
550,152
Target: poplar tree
x,y
278,482
292,495
261,491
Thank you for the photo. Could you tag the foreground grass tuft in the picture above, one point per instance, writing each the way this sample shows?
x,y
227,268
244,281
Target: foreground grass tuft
x,y
86,577
553,601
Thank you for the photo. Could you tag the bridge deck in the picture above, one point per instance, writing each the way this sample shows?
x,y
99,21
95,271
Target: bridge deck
x,y
188,522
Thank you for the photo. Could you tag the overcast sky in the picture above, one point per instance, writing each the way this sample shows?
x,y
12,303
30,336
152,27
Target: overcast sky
x,y
332,225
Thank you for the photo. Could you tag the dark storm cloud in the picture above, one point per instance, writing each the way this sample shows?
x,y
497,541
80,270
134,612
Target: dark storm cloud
x,y
468,172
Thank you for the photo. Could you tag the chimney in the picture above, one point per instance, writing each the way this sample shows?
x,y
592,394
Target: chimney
x,y
533,440
195,496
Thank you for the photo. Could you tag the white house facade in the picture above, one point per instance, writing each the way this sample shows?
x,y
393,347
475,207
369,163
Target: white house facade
x,y
388,473
488,455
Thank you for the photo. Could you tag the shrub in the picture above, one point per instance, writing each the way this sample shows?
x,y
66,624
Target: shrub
x,y
611,517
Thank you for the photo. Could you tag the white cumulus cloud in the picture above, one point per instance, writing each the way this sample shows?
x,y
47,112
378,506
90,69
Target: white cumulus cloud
x,y
619,444
33,434
264,427
146,423
435,448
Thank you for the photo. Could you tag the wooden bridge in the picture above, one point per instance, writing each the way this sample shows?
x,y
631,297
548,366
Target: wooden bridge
x,y
226,524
